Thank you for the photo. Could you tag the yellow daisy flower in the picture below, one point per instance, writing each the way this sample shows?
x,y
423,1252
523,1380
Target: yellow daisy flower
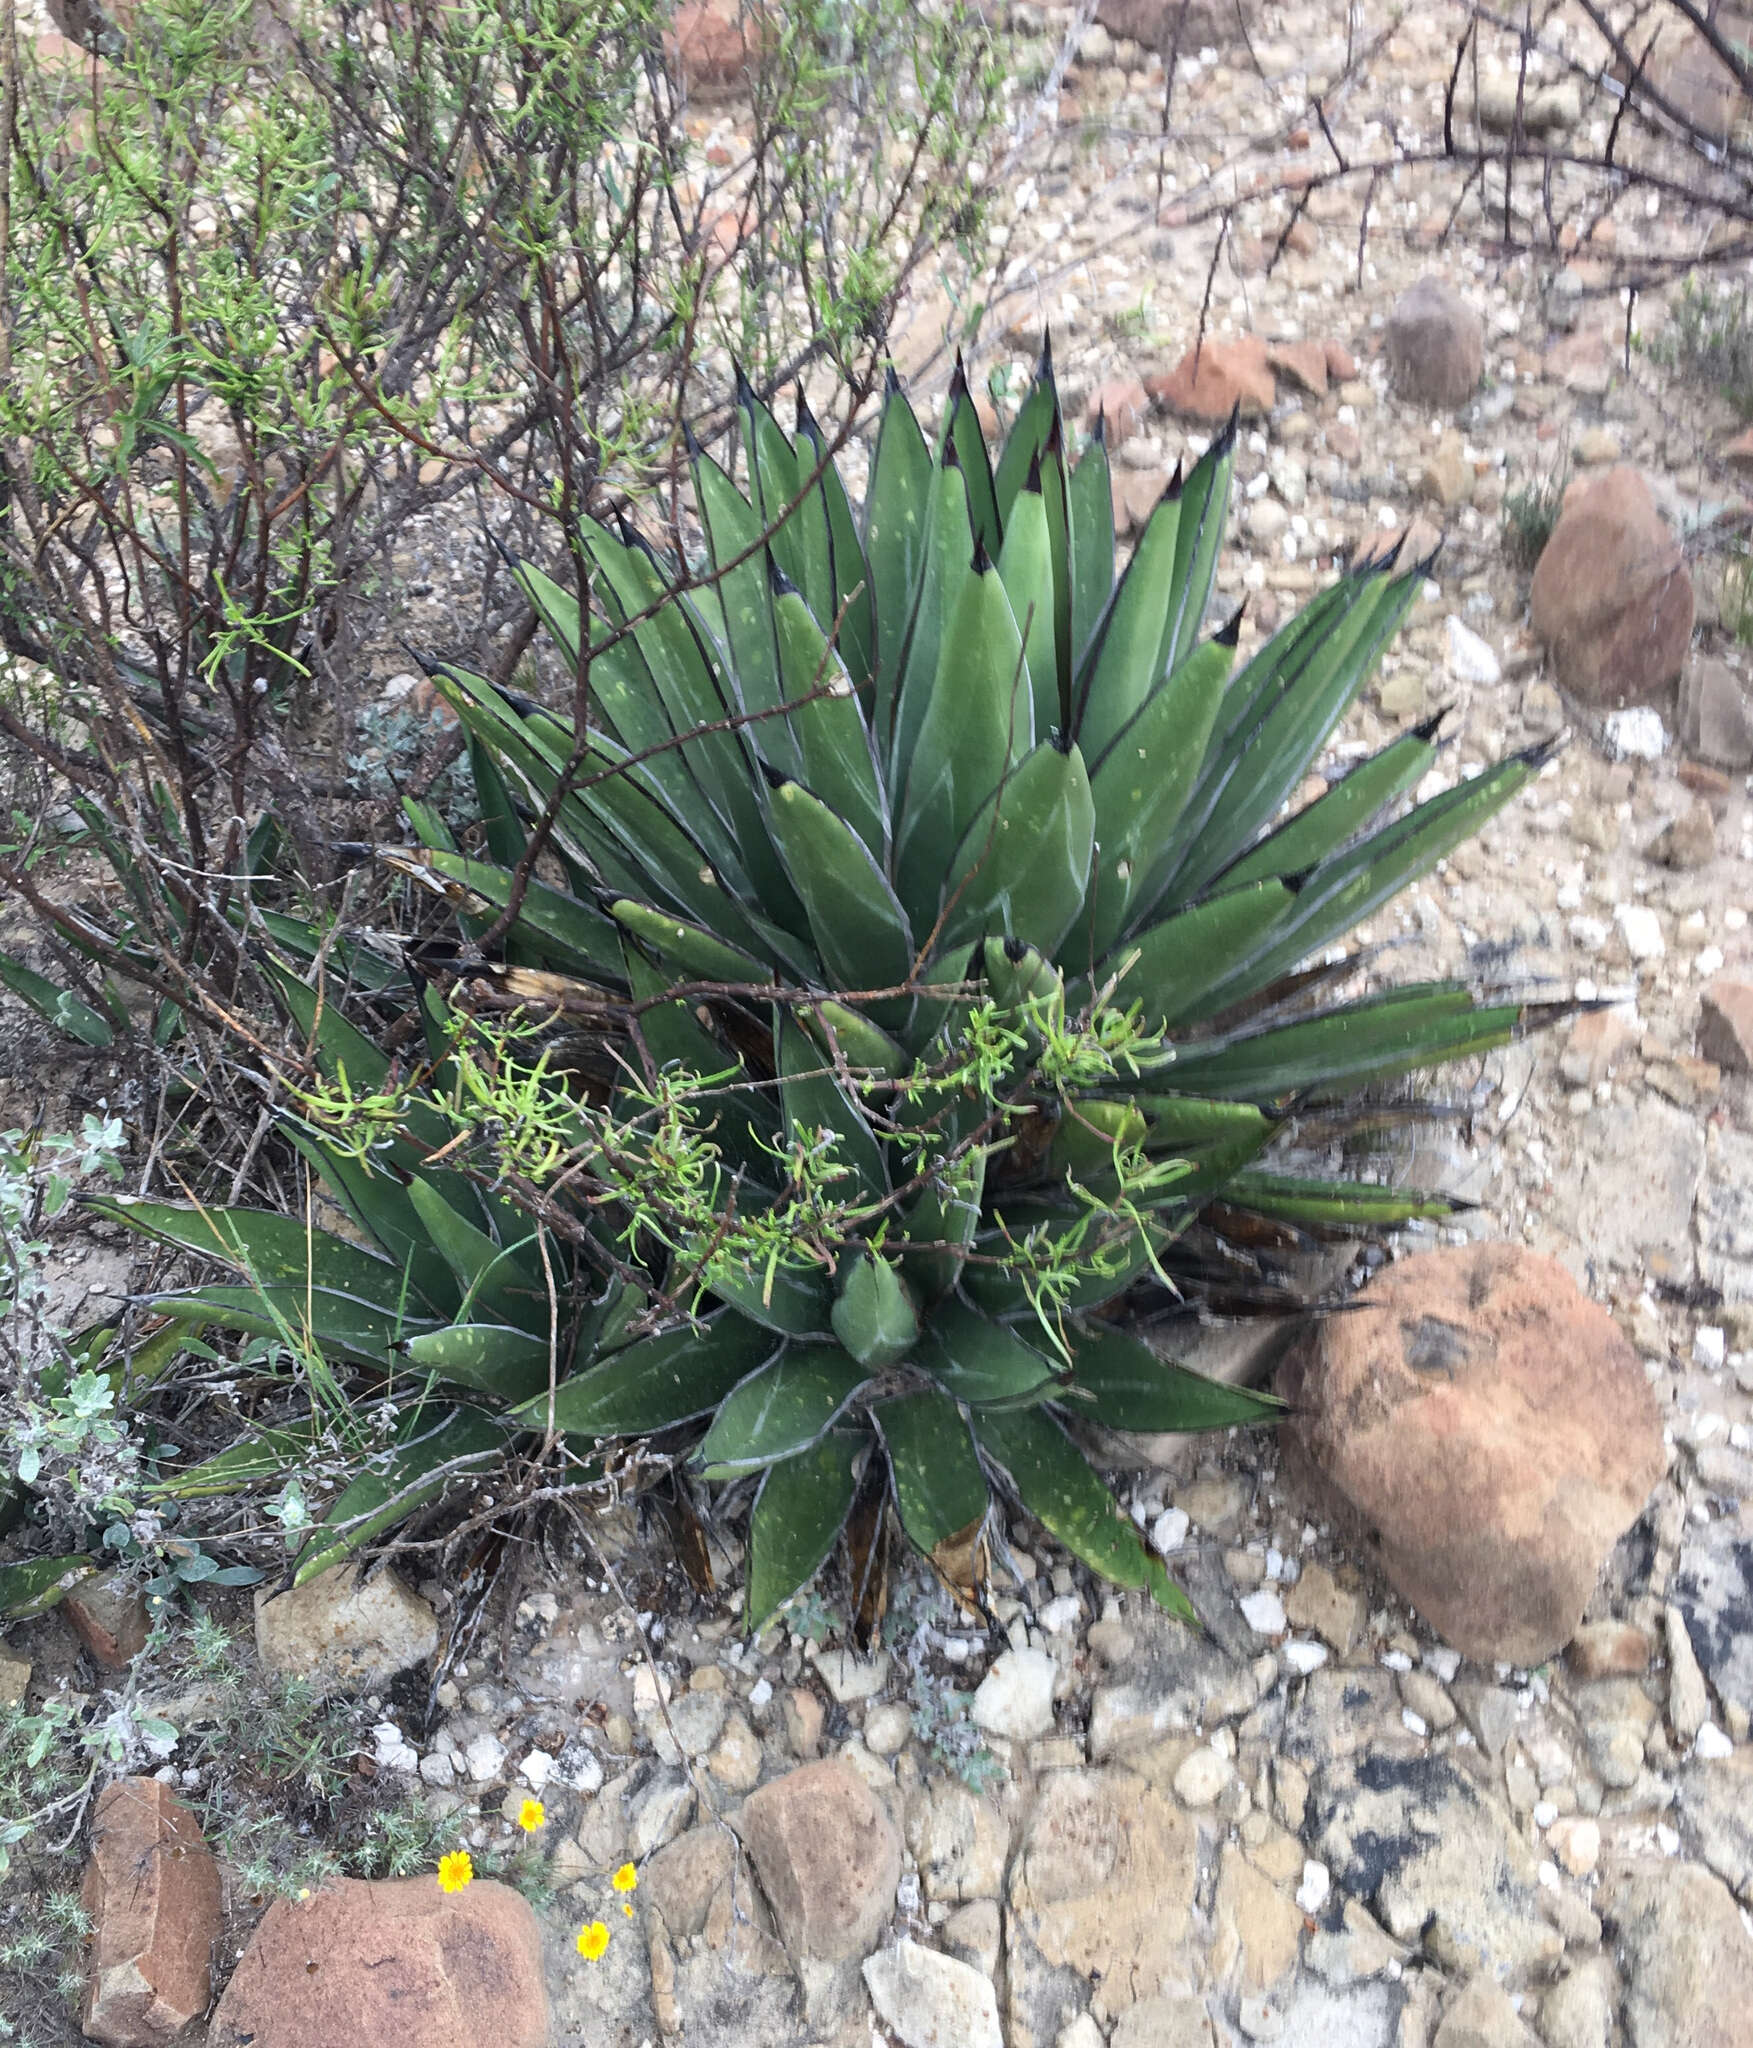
x,y
532,1815
455,1871
593,1939
626,1879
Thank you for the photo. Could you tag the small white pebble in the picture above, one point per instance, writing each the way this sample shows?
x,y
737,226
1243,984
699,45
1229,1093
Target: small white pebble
x,y
1545,1813
536,1769
1264,1613
1317,1882
1549,1876
760,1693
1396,1660
1666,1839
1169,1531
1059,1615
1305,1657
1709,1347
1443,1662
1712,1744
1414,1723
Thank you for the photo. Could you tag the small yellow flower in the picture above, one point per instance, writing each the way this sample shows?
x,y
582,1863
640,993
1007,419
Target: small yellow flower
x,y
627,1909
455,1871
532,1815
626,1879
593,1939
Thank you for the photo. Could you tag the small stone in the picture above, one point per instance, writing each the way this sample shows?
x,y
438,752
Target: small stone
x,y
1317,1882
1169,1531
1716,713
153,1892
342,1633
1471,659
929,2000
1578,2011
1634,732
1688,1698
484,1757
1120,405
1434,343
735,1760
1264,1612
1447,476
1213,378
1609,1649
1616,1751
886,1728
14,1677
108,1615
1481,2016
1334,1612
1576,1841
1688,1959
850,1677
1595,1044
1641,929
1202,1776
1402,694
1688,841
1710,1745
828,1857
972,1934
1015,1698
1597,445
1427,1700
1303,362
392,1751
1725,1025
803,1715
659,1814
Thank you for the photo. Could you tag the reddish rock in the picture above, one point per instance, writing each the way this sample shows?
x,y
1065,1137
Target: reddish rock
x,y
1582,363
1494,1430
1435,345
712,43
1611,597
1596,1043
108,1615
153,1892
1119,404
1209,383
1725,1025
1303,362
397,1965
1341,363
1609,1649
828,1857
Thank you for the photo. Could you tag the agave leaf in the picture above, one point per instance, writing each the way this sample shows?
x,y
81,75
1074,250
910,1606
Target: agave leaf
x,y
839,763
857,921
1026,570
940,1490
1090,546
33,1585
1027,441
979,1361
1119,668
690,951
896,521
1056,502
1142,781
1271,758
948,565
734,535
744,1121
305,939
853,599
1068,1500
997,1275
980,721
57,1006
490,1358
658,1381
378,1203
263,1246
1322,1058
1320,828
340,1325
814,1104
505,836
848,1035
1190,1122
505,1280
1133,1388
1205,501
799,1511
779,1410
1022,868
1339,1204
254,1461
775,484
435,1445
572,937
1351,884
794,1301
940,1227
1176,964
962,434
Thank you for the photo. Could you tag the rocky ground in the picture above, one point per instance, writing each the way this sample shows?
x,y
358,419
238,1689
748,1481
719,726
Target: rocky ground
x,y
1327,1818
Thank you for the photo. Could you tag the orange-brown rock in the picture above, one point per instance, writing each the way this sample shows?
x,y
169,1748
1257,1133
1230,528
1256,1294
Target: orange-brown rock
x,y
828,1857
1303,362
1611,596
1209,382
1492,1428
1120,404
712,43
1435,345
152,1890
399,1964
1725,1024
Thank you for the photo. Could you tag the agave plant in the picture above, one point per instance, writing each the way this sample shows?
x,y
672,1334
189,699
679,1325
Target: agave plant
x,y
960,866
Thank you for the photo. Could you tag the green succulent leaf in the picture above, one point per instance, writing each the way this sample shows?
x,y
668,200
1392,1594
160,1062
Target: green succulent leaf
x,y
55,1005
1336,1204
490,1358
940,1490
799,1511
874,1315
1056,1485
1023,866
781,1409
1134,1388
855,918
658,1381
261,1244
979,1361
33,1585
